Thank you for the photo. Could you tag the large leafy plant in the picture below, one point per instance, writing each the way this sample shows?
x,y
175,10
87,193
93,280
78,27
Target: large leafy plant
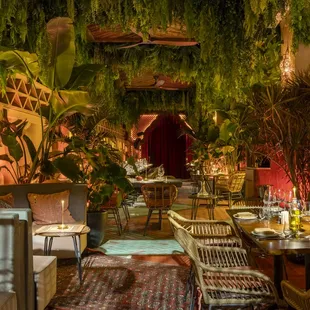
x,y
65,82
282,115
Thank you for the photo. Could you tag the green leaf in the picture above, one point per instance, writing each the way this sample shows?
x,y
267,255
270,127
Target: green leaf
x,y
61,35
19,61
227,130
106,190
123,184
213,133
31,148
14,147
83,75
71,101
68,167
47,168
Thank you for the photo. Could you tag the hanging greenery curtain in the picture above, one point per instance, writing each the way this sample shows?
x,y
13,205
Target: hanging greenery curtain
x,y
239,44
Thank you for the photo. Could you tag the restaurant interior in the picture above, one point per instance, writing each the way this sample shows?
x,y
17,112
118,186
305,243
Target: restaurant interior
x,y
154,155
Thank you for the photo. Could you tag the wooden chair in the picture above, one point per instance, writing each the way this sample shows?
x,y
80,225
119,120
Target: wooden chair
x,y
295,297
224,277
158,197
232,190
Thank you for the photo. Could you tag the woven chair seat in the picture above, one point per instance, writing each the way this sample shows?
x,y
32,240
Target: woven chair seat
x,y
224,276
201,228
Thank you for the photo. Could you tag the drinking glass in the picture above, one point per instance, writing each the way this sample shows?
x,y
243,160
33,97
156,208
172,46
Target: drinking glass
x,y
161,172
261,213
268,201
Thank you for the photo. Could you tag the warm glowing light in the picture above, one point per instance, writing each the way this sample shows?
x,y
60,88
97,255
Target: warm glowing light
x,y
286,66
294,192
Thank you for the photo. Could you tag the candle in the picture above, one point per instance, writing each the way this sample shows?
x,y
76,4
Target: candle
x,y
294,192
62,226
62,212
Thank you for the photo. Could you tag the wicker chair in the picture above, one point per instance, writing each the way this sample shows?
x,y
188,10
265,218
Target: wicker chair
x,y
295,297
112,205
224,278
232,190
158,197
208,232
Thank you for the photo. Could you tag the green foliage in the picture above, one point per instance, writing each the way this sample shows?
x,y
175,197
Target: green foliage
x,y
300,21
281,116
238,44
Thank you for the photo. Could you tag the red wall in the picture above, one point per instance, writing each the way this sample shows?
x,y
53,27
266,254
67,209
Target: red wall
x,y
274,176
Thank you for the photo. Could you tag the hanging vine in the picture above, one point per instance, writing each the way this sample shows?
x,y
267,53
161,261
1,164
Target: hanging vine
x,y
238,41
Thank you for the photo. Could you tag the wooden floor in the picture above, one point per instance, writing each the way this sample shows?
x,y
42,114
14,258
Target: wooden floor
x,y
134,230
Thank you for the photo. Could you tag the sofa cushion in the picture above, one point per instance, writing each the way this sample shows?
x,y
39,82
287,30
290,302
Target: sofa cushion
x,y
47,208
8,199
45,273
4,205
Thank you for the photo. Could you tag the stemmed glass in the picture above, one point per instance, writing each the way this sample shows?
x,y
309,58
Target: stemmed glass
x,y
161,172
268,201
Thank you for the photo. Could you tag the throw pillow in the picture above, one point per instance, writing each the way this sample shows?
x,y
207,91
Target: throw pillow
x,y
47,208
4,205
9,199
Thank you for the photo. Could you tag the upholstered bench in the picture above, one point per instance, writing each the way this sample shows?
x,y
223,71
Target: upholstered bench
x,y
45,275
32,278
62,247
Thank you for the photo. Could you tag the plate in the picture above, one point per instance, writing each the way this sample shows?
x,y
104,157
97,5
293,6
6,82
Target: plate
x,y
245,216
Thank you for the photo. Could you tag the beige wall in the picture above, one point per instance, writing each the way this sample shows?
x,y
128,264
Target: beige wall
x,y
302,58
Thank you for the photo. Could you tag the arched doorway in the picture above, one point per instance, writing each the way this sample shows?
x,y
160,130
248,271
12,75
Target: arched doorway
x,y
164,144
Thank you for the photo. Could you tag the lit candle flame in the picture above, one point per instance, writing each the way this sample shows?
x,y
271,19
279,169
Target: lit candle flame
x,y
294,192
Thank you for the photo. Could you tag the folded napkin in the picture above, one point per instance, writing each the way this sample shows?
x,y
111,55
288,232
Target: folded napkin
x,y
264,231
244,214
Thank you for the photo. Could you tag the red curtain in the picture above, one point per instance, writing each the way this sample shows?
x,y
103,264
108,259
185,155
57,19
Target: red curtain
x,y
164,145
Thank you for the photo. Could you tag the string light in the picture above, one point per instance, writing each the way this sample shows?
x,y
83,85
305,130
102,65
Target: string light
x,y
286,66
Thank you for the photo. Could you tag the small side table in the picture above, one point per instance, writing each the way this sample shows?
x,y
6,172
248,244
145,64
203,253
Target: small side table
x,y
76,237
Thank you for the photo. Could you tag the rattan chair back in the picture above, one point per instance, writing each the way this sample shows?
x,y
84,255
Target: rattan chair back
x,y
159,195
208,232
295,297
220,282
236,181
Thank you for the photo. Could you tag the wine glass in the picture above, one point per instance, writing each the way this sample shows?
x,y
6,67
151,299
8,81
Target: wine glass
x,y
161,172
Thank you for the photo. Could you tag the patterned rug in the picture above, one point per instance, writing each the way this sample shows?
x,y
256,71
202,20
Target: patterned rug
x,y
120,283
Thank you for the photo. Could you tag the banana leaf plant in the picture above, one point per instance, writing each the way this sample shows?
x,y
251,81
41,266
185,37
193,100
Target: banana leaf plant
x,y
17,143
65,82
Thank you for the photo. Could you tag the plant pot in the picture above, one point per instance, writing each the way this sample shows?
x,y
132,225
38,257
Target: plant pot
x,y
97,222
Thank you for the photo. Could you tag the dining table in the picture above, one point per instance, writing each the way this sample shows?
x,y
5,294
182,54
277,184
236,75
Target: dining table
x,y
277,245
137,184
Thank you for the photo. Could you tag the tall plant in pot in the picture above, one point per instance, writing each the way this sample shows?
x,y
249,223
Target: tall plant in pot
x,y
90,158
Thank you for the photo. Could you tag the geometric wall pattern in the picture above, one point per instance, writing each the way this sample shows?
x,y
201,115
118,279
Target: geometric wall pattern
x,y
24,95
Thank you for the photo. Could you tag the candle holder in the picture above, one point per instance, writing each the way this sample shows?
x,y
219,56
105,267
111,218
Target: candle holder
x,y
62,226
